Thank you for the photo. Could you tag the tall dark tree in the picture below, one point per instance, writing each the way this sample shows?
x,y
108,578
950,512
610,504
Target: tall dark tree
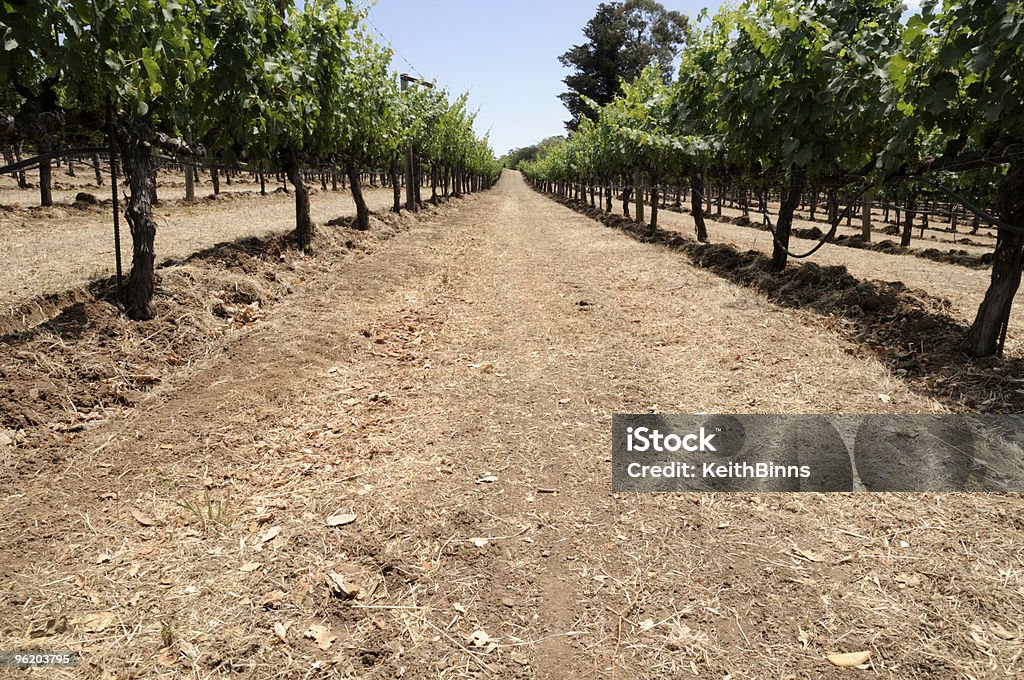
x,y
622,39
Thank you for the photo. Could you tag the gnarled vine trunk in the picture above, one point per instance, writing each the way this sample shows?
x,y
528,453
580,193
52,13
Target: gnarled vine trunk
x,y
908,221
362,212
988,332
654,203
865,216
22,180
696,188
396,188
303,223
790,200
638,183
832,200
45,178
137,162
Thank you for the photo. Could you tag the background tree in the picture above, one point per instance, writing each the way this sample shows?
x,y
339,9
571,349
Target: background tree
x,y
530,153
623,38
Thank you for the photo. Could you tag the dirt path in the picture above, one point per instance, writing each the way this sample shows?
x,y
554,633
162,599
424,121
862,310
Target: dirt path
x,y
454,392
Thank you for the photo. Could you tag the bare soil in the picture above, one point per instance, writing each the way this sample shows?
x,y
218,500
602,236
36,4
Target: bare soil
x,y
52,249
391,460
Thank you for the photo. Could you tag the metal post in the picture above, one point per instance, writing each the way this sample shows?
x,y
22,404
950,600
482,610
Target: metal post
x,y
190,182
113,195
117,213
410,158
410,190
865,217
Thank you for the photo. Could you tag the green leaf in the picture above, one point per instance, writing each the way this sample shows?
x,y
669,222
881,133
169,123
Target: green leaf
x,y
897,69
152,68
916,25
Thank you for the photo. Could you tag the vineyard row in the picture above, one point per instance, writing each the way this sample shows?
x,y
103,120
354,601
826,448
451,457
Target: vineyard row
x,y
796,97
256,83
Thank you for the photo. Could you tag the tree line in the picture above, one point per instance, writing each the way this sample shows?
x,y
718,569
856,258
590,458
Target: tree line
x,y
256,83
837,96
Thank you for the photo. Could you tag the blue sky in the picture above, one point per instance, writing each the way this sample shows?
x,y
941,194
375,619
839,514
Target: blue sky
x,y
505,54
